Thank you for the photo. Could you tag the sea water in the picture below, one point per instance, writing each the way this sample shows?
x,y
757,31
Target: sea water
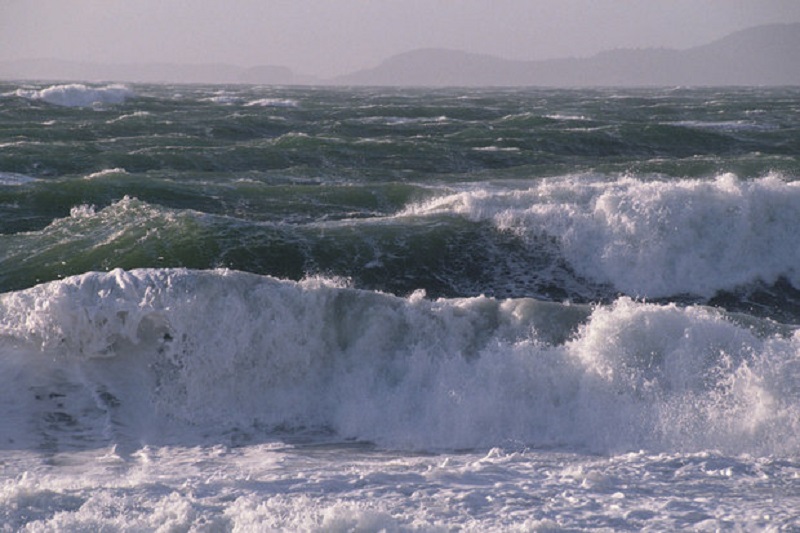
x,y
243,308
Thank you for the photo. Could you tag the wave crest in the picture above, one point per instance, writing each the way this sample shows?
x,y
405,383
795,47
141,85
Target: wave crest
x,y
214,352
79,95
652,238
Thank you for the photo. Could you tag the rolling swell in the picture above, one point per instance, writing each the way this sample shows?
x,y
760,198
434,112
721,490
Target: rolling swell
x,y
394,254
150,356
31,204
583,238
388,135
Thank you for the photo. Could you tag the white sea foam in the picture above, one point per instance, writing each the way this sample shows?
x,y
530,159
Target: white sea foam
x,y
730,125
162,355
226,99
651,238
129,116
79,95
148,400
106,172
558,116
493,148
330,489
273,102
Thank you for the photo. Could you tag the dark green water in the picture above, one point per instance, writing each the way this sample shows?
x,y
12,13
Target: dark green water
x,y
299,182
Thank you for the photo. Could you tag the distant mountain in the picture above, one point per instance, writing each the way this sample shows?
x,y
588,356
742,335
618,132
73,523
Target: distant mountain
x,y
439,67
764,55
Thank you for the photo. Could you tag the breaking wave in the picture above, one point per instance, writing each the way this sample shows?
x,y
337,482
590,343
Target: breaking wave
x,y
159,355
649,237
79,95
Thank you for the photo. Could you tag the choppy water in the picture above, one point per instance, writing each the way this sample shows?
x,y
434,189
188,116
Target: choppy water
x,y
244,308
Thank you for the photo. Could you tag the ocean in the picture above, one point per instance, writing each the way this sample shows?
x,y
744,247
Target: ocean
x,y
243,308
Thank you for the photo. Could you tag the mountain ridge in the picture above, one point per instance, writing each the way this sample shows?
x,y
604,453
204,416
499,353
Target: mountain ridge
x,y
760,55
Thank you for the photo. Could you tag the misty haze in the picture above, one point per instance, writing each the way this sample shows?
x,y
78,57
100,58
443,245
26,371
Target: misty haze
x,y
404,42
766,55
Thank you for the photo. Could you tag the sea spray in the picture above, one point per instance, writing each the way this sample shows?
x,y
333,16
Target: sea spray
x,y
226,351
79,95
650,237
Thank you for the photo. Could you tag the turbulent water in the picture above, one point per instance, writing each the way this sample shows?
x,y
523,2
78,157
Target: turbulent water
x,y
253,308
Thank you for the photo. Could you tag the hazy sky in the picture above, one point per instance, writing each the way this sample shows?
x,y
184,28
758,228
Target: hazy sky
x,y
330,37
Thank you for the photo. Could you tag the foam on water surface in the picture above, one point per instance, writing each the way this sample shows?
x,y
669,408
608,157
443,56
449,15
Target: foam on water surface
x,y
78,95
130,354
282,487
650,238
273,102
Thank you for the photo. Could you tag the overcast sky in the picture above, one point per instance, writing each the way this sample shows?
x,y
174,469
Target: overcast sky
x,y
331,37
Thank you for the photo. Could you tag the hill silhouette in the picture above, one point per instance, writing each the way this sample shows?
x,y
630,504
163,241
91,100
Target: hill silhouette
x,y
764,55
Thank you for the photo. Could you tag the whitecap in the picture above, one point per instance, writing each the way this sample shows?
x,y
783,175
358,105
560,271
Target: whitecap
x,y
496,149
78,95
649,237
273,102
217,350
128,116
224,99
724,125
559,116
105,172
82,211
